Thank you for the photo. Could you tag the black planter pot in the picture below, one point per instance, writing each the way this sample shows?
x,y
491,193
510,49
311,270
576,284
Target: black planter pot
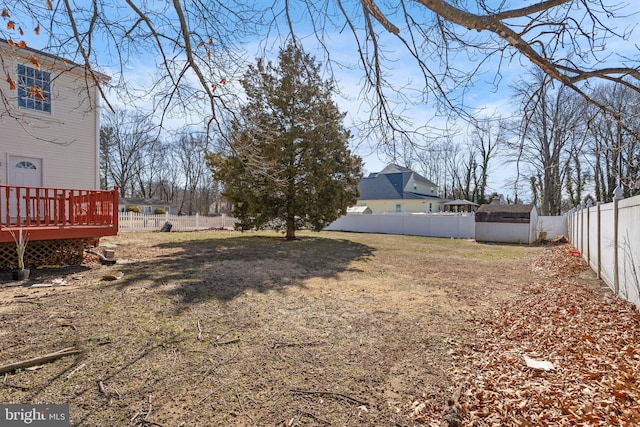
x,y
20,274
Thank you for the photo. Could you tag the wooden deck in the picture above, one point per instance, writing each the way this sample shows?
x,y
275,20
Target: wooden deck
x,y
56,213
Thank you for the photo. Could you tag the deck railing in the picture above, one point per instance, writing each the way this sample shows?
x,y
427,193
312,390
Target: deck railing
x,y
35,207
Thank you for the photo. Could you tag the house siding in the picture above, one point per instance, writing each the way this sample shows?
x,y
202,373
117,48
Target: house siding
x,y
64,139
408,205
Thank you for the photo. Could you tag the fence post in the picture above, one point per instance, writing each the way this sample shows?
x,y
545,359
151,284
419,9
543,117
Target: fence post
x,y
581,248
588,232
599,231
616,278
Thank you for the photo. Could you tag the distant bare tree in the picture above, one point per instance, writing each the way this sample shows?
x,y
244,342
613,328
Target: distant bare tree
x,y
127,137
487,139
190,149
549,129
615,153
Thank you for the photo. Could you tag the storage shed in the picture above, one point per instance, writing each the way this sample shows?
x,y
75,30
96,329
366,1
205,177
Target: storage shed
x,y
506,223
359,210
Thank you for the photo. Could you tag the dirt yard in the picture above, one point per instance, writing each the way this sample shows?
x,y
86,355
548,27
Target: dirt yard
x,y
333,329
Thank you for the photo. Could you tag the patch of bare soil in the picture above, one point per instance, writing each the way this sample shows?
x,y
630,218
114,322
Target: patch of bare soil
x,y
221,328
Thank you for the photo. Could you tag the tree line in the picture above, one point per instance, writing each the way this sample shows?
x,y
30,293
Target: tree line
x,y
564,149
136,157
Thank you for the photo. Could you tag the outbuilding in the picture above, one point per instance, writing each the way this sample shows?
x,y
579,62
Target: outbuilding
x,y
500,223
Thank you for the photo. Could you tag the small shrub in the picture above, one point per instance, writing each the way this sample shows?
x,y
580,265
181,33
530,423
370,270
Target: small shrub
x,y
133,208
159,211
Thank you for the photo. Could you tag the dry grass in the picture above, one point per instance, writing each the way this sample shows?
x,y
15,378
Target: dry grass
x,y
222,328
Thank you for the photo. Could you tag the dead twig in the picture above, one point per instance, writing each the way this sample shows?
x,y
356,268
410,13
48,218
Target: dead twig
x,y
297,344
199,330
38,360
149,410
77,368
330,394
226,342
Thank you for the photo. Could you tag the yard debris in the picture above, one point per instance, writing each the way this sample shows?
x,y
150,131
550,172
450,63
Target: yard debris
x,y
115,276
540,365
54,282
453,413
332,394
593,337
39,360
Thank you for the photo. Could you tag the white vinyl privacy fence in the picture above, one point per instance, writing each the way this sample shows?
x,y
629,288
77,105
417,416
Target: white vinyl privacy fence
x,y
458,226
131,221
608,237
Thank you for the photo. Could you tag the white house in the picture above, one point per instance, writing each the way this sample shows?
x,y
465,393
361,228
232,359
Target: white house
x,y
49,149
49,121
397,189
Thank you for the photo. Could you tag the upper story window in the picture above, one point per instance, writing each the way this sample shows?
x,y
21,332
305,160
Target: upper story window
x,y
34,89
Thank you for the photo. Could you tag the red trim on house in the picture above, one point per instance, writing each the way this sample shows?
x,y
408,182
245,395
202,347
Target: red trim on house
x,y
56,213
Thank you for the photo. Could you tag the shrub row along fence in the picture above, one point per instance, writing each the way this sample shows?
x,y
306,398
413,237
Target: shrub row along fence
x,y
131,221
608,237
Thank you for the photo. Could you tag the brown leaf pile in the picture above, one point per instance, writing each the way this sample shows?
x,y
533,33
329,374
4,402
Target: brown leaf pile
x,y
591,337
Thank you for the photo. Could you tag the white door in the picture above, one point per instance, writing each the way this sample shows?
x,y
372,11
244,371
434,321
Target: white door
x,y
23,172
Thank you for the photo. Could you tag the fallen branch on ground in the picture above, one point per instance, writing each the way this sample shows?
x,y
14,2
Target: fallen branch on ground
x,y
331,394
37,360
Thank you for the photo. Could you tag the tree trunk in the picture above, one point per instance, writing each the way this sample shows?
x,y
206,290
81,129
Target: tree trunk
x,y
291,230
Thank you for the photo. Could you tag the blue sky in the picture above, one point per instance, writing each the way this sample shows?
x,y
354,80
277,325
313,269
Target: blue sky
x,y
484,97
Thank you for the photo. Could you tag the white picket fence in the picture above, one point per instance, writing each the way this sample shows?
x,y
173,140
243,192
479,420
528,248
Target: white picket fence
x,y
608,237
131,221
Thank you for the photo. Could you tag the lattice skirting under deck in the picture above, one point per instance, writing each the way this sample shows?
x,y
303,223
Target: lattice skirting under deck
x,y
43,252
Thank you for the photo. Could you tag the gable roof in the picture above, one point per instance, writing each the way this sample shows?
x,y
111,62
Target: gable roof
x,y
390,183
51,60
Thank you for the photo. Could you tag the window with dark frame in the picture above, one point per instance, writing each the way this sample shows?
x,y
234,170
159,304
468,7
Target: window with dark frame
x,y
34,89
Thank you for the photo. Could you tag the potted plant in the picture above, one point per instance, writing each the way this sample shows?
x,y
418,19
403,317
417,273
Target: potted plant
x,y
21,245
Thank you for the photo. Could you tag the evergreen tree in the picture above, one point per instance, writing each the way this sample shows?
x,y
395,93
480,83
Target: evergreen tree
x,y
289,165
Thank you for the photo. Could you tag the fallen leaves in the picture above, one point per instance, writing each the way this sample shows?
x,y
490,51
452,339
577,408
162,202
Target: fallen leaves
x,y
591,338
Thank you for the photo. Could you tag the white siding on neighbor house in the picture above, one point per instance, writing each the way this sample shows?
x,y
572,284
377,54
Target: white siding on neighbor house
x,y
407,205
65,139
414,186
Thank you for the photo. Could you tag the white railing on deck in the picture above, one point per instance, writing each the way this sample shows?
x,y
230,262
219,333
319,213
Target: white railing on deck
x,y
131,221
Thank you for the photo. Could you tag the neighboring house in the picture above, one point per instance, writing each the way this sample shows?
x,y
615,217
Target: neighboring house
x,y
397,189
49,149
147,206
496,222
